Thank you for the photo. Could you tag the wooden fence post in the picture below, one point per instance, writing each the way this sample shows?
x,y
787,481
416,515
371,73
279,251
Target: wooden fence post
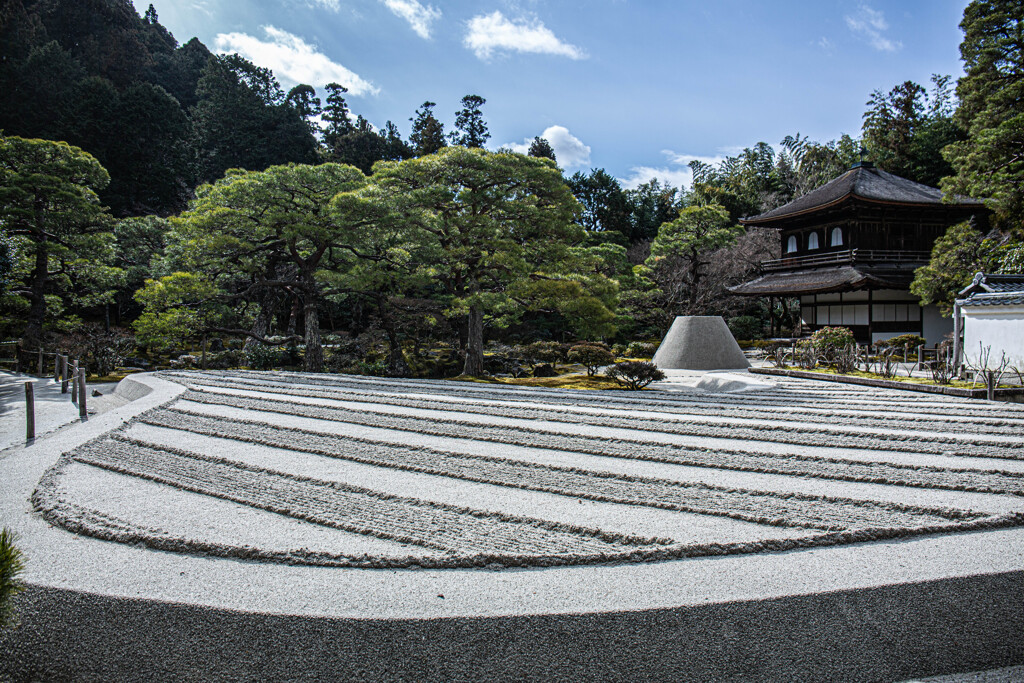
x,y
40,372
63,374
81,392
74,381
56,367
920,356
30,412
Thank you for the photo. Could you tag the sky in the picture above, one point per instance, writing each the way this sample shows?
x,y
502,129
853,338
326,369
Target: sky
x,y
637,87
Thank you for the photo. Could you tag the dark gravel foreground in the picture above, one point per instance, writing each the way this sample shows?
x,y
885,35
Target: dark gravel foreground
x,y
881,634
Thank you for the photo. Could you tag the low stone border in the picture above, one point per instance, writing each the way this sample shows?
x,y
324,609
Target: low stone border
x,y
888,384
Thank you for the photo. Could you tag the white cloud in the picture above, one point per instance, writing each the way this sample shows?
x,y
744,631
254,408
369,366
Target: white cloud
x,y
419,16
292,60
333,5
676,177
569,149
493,32
676,174
870,24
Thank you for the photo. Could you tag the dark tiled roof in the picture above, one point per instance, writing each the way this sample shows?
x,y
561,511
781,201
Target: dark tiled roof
x,y
865,182
841,279
988,283
995,299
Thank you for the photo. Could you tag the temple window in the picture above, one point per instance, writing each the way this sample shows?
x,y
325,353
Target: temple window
x,y
812,241
791,244
837,237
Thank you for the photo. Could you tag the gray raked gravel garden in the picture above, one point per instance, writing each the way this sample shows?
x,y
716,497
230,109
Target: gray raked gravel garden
x,y
327,497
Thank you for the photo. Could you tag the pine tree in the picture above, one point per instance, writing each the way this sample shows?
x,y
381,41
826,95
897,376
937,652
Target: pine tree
x,y
540,147
427,134
470,128
990,163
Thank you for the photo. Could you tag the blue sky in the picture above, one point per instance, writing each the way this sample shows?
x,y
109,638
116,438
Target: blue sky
x,y
636,87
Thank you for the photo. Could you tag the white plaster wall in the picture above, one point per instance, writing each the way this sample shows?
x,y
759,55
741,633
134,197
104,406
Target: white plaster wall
x,y
934,325
1000,327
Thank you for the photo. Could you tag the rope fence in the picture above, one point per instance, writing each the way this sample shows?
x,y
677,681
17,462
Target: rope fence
x,y
66,371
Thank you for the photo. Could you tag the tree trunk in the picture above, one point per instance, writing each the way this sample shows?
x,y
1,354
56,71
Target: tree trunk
x,y
269,306
37,295
314,359
293,317
474,366
397,367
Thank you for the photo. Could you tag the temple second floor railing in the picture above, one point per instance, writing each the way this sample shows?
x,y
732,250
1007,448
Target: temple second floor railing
x,y
847,256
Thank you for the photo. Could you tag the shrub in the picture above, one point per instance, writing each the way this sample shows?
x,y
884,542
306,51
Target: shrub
x,y
262,357
12,562
545,370
909,340
641,349
591,356
224,360
635,374
746,327
829,341
544,352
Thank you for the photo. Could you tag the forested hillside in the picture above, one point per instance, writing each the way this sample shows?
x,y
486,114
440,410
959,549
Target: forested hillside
x,y
156,189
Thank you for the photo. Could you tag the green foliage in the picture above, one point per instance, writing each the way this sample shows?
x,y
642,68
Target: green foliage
x,y
12,563
243,120
906,129
285,229
681,254
605,210
470,128
259,356
49,206
746,327
635,374
956,257
911,341
828,342
639,349
540,147
177,309
495,231
989,163
591,356
427,134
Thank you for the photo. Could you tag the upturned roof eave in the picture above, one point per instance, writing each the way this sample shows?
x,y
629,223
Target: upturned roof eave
x,y
759,221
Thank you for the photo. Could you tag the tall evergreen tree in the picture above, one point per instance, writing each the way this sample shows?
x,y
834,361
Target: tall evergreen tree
x,y
242,120
540,147
990,162
470,127
906,129
427,134
336,115
48,204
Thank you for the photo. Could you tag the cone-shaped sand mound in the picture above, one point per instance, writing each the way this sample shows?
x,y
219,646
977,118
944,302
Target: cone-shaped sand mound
x,y
699,342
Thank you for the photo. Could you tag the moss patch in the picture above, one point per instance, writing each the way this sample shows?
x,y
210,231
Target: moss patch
x,y
960,384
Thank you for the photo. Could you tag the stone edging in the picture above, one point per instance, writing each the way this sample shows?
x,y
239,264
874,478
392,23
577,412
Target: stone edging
x,y
886,383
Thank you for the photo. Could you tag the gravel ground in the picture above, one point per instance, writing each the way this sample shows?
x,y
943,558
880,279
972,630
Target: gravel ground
x,y
338,527
471,535
880,634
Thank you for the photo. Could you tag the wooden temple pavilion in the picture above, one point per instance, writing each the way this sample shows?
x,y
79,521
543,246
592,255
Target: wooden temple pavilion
x,y
849,251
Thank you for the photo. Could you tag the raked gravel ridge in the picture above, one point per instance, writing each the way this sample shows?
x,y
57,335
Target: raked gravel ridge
x,y
315,500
